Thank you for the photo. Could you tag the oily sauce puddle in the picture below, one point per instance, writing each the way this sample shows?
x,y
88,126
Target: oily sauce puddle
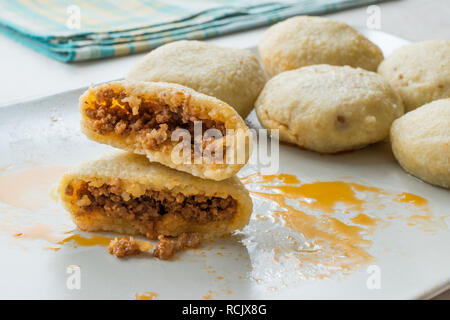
x,y
146,296
29,188
319,229
42,231
27,196
307,230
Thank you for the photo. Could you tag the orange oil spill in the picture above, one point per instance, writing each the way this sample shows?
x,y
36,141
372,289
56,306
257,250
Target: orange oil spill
x,y
52,248
283,177
42,231
411,199
209,269
342,244
363,219
318,195
87,242
325,195
146,296
29,188
426,221
39,231
96,240
208,296
342,241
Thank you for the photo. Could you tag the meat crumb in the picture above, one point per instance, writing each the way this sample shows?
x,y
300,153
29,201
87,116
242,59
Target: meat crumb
x,y
124,247
168,246
152,121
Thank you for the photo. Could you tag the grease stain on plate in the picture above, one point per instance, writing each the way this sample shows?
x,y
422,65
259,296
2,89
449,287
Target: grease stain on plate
x,y
39,231
312,230
208,295
42,231
29,188
146,296
320,229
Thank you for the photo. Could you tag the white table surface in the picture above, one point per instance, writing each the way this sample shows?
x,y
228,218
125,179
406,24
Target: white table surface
x,y
26,74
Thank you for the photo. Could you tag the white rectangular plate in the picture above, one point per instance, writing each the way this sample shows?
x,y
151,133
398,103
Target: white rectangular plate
x,y
403,255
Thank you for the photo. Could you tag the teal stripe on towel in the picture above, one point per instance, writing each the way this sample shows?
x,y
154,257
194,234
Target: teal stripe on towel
x,y
111,28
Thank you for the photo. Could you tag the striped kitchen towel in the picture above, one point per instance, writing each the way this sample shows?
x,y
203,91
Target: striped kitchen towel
x,y
76,30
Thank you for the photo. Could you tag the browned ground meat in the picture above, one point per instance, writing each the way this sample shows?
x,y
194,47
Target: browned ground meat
x,y
168,246
113,202
153,123
124,247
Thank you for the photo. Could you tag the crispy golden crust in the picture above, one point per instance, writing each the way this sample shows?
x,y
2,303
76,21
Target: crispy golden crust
x,y
200,105
138,175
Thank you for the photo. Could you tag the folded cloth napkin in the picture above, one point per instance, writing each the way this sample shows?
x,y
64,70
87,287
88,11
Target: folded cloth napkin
x,y
76,30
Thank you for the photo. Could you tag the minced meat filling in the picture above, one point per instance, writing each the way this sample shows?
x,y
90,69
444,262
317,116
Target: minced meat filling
x,y
112,201
152,121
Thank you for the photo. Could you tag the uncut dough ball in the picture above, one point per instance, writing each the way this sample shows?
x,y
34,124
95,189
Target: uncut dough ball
x,y
420,72
421,142
304,41
234,76
328,108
